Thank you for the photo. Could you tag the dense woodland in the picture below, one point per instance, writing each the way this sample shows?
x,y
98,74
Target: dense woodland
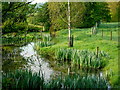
x,y
74,44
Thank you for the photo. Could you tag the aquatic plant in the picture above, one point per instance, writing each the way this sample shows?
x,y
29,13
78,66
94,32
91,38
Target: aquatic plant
x,y
44,44
77,81
26,79
22,79
82,58
46,38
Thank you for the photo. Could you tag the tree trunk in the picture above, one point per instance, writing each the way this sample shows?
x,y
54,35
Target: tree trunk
x,y
69,26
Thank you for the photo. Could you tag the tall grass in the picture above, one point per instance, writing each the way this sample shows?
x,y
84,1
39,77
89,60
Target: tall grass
x,y
45,42
84,58
22,79
27,79
46,38
77,81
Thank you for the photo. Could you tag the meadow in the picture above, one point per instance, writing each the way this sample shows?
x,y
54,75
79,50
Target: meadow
x,y
85,41
82,55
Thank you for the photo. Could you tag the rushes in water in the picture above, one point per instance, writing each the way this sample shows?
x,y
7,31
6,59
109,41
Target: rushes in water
x,y
27,79
77,81
22,79
83,58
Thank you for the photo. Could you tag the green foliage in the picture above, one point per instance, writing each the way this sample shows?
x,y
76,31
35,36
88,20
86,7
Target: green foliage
x,y
44,44
96,12
41,17
83,58
83,15
46,41
34,28
77,81
26,79
14,15
22,79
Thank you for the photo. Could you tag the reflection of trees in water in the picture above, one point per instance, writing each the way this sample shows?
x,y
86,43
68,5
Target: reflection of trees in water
x,y
11,59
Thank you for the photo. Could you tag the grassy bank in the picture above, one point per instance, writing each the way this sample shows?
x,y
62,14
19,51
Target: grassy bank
x,y
84,40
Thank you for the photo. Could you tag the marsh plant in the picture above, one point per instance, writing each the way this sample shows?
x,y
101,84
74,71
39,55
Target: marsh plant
x,y
83,58
77,81
45,42
46,38
22,79
26,79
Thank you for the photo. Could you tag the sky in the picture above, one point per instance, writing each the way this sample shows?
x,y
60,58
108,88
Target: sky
x,y
38,1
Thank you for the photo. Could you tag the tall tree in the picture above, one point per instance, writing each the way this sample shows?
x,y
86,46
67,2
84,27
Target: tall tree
x,y
14,16
43,16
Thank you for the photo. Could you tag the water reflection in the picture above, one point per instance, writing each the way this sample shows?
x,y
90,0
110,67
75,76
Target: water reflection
x,y
11,59
35,62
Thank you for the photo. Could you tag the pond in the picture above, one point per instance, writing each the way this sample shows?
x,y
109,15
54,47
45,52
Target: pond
x,y
26,57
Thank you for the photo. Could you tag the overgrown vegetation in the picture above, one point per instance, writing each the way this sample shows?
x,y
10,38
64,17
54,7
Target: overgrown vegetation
x,y
83,58
26,79
22,79
45,42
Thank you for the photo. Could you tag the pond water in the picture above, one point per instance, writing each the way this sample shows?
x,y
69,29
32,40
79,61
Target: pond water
x,y
35,62
26,57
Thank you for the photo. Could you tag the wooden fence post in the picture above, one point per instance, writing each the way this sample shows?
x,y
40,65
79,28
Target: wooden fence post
x,y
71,41
97,51
111,35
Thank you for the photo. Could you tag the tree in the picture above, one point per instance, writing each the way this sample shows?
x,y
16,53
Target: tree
x,y
14,16
95,12
58,12
83,14
43,16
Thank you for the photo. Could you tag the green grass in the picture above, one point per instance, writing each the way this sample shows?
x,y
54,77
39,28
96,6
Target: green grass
x,y
83,40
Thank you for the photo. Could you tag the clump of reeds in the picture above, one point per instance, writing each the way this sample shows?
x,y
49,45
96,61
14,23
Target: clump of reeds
x,y
26,79
77,81
45,42
82,58
22,79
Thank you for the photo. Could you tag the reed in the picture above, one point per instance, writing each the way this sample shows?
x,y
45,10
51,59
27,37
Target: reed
x,y
22,79
83,58
77,81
